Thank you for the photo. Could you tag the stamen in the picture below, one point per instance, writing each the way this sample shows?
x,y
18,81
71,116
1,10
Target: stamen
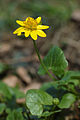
x,y
30,23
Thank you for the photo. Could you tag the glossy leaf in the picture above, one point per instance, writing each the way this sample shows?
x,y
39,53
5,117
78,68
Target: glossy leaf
x,y
67,100
54,61
35,99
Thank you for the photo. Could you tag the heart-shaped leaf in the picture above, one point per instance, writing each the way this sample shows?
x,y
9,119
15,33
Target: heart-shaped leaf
x,y
35,99
54,61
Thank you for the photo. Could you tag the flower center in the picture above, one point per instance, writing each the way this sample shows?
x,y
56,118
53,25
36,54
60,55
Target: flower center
x,y
30,23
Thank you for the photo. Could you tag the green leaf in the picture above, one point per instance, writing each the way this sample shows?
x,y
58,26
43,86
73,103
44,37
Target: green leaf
x,y
8,110
67,100
15,115
5,90
35,99
2,107
68,82
54,61
74,81
53,89
47,113
71,75
18,93
9,92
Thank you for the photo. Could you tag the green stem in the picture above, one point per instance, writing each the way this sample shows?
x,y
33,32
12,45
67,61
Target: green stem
x,y
37,51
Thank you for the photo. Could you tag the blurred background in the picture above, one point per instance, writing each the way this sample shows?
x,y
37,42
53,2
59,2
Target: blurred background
x,y
18,60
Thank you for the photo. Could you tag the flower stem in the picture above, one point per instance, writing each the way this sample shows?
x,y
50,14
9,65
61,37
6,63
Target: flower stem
x,y
37,51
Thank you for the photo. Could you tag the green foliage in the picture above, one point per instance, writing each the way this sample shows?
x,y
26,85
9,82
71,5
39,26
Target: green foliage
x,y
63,90
71,75
35,99
2,107
15,115
51,98
18,93
70,81
9,92
47,113
54,61
53,89
9,109
67,100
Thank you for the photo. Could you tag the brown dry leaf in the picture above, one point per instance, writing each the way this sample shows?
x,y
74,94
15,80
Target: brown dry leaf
x,y
23,74
76,15
11,80
5,48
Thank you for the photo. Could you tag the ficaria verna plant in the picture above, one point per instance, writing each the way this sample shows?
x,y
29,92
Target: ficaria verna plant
x,y
63,92
33,28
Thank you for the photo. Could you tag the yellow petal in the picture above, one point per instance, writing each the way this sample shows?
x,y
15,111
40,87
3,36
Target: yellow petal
x,y
19,30
20,22
18,34
27,19
41,33
27,32
34,34
42,27
38,20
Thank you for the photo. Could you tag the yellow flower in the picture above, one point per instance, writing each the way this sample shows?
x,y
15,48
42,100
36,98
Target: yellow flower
x,y
31,27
